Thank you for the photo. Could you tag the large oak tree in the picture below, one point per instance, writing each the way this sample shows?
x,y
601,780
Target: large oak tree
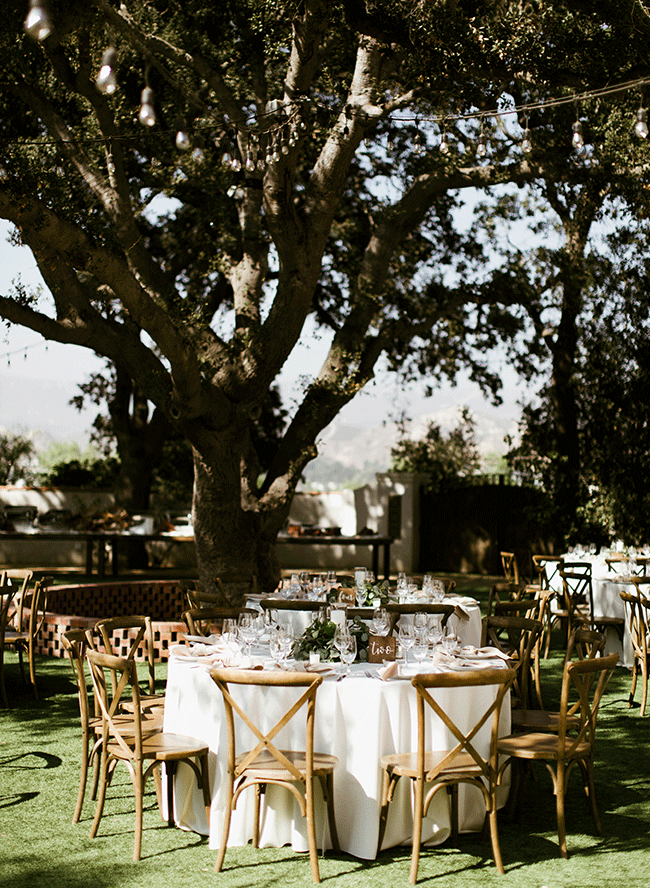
x,y
332,203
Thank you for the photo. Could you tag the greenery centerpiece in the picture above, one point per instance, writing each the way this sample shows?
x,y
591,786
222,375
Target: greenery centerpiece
x,y
318,637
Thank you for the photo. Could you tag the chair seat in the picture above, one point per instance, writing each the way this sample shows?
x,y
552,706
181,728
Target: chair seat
x,y
405,764
540,720
538,746
13,637
265,766
163,747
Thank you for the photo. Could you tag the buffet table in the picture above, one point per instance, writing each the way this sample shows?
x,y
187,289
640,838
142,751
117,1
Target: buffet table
x,y
359,719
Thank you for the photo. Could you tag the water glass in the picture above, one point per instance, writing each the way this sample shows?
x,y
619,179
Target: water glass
x,y
348,651
406,633
421,645
380,621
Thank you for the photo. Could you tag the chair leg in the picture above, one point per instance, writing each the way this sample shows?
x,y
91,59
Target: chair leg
x,y
452,792
328,793
635,673
494,832
386,795
3,689
170,773
103,783
138,787
83,779
418,801
205,786
260,790
644,678
32,669
590,791
226,827
311,830
560,789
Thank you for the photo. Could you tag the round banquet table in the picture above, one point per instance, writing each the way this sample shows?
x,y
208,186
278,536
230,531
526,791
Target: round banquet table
x,y
359,719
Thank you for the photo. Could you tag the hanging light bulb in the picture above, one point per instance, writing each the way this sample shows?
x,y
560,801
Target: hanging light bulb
x,y
235,164
106,81
577,139
250,162
444,144
183,141
37,24
417,143
198,155
641,125
147,113
481,148
527,141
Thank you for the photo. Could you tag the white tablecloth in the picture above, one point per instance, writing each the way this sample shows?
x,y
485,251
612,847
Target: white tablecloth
x,y
358,719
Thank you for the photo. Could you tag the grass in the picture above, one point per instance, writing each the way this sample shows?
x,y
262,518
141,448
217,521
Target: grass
x,y
39,845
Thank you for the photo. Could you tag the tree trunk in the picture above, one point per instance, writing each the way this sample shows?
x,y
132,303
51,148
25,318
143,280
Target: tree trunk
x,y
230,537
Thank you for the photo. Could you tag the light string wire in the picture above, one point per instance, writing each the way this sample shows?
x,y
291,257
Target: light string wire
x,y
448,119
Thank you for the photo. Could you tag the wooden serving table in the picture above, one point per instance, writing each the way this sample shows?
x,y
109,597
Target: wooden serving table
x,y
376,542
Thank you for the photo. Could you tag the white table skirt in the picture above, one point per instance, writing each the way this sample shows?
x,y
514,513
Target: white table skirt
x,y
358,719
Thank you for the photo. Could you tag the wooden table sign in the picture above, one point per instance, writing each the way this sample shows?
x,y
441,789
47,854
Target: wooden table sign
x,y
381,648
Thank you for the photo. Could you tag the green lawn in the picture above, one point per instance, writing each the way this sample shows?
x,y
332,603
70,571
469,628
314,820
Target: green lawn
x,y
39,846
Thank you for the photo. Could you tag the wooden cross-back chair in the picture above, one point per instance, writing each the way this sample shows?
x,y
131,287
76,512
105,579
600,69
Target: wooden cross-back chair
x,y
129,637
266,764
620,564
516,637
510,567
7,593
572,744
291,604
462,762
584,644
198,597
209,620
637,617
142,748
21,630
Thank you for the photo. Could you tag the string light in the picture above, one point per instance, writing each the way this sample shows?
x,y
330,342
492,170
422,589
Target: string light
x,y
106,80
577,140
527,140
198,155
481,147
147,113
641,125
37,24
444,143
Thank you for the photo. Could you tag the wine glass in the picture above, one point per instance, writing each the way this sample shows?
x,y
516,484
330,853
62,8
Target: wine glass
x,y
427,586
420,621
339,636
406,634
348,650
421,645
276,645
437,590
229,630
450,641
380,621
247,630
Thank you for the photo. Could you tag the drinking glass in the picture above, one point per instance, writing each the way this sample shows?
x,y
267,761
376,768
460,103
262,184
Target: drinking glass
x,y
229,630
340,635
380,621
427,587
420,621
406,634
437,590
294,586
276,645
247,630
450,641
317,587
421,645
348,651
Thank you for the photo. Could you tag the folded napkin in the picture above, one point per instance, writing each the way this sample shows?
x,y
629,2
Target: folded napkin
x,y
469,652
389,670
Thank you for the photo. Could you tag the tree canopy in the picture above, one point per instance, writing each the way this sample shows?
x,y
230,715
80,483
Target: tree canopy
x,y
312,185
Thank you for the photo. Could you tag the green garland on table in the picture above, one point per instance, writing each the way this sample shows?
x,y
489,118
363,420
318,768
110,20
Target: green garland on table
x,y
371,592
318,637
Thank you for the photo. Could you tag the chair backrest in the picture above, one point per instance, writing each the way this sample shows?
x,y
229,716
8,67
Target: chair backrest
x,y
548,568
578,592
74,643
34,601
586,644
309,681
502,592
637,618
510,567
620,564
209,620
7,595
465,740
135,636
110,695
586,680
441,609
20,580
516,637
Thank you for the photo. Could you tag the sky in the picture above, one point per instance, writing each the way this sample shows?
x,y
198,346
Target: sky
x,y
38,378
